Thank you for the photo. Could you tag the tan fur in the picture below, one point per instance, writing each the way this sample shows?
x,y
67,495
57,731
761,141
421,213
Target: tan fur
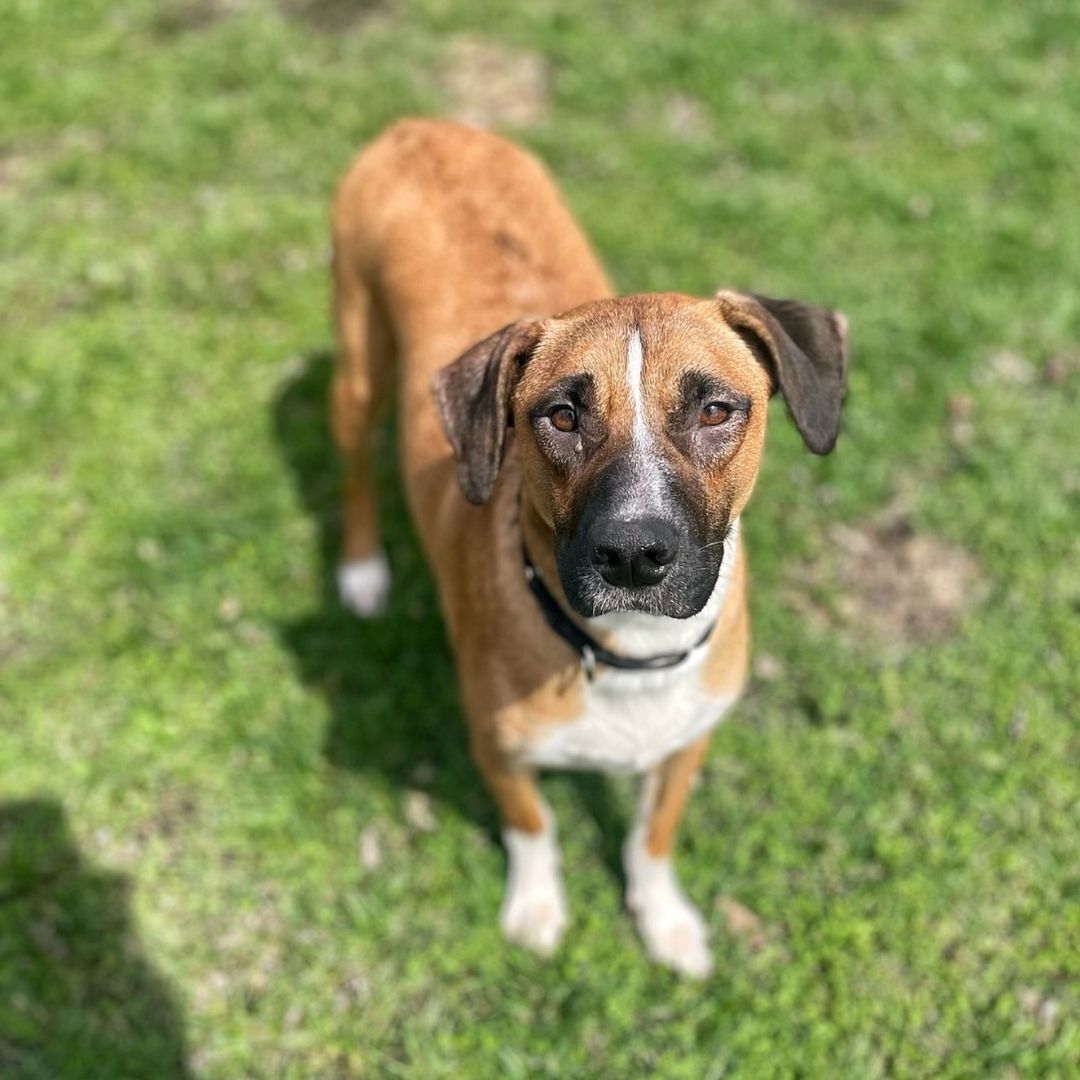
x,y
441,236
673,780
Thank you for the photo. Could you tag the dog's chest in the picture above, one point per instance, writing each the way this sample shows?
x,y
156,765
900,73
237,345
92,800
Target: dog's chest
x,y
629,722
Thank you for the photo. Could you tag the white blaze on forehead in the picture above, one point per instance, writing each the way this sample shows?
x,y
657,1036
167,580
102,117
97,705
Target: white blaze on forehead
x,y
635,357
647,494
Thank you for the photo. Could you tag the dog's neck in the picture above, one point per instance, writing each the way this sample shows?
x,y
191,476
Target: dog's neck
x,y
634,634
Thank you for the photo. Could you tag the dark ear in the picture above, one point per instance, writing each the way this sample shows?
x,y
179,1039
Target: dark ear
x,y
804,350
473,398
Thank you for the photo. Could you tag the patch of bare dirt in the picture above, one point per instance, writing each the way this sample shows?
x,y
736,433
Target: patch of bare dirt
x,y
419,812
743,923
25,163
1007,367
1061,367
865,8
679,116
488,85
189,17
685,118
369,849
902,587
333,16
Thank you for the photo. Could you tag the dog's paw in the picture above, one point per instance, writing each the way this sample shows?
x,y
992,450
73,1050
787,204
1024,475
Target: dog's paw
x,y
674,934
363,585
535,917
671,927
534,912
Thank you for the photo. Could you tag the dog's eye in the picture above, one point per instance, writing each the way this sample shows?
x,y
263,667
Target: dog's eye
x,y
563,418
714,413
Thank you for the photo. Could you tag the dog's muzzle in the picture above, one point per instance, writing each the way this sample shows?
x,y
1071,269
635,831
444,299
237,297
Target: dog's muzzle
x,y
626,553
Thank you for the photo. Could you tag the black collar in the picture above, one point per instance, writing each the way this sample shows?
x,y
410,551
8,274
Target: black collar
x,y
590,651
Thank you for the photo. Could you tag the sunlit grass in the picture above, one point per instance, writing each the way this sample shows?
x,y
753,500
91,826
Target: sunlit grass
x,y
193,736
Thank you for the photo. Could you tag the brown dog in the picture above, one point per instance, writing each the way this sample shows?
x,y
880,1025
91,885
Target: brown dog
x,y
586,555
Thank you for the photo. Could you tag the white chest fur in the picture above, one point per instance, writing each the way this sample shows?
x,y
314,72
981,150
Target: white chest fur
x,y
631,720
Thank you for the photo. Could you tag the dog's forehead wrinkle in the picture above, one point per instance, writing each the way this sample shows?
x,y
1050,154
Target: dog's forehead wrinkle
x,y
637,348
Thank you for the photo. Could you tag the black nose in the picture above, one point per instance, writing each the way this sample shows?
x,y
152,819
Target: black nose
x,y
632,554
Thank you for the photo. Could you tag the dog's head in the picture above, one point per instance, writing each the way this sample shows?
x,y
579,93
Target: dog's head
x,y
640,423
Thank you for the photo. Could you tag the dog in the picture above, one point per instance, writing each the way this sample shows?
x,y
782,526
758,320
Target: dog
x,y
575,464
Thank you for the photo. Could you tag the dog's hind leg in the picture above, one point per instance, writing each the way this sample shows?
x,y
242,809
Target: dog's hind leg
x,y
360,382
671,927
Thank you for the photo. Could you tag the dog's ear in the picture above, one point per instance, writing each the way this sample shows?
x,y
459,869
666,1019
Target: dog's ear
x,y
473,398
804,350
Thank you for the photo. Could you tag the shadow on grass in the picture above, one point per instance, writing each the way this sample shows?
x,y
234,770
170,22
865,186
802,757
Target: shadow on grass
x,y
76,998
390,681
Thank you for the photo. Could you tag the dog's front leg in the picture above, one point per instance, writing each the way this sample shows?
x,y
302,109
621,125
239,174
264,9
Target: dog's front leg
x,y
671,927
534,911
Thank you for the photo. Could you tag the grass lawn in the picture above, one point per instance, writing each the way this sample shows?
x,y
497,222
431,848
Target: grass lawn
x,y
239,831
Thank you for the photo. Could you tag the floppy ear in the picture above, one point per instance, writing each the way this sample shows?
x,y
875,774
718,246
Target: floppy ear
x,y
473,398
804,350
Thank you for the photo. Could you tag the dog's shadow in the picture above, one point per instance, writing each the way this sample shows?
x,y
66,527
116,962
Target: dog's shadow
x,y
389,681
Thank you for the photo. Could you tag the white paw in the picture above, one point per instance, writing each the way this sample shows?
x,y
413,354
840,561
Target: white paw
x,y
535,918
671,927
675,935
363,585
534,912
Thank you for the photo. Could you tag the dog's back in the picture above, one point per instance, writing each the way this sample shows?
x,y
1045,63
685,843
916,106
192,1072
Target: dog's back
x,y
442,234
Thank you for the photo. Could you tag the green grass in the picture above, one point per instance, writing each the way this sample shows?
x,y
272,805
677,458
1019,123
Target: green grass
x,y
193,735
